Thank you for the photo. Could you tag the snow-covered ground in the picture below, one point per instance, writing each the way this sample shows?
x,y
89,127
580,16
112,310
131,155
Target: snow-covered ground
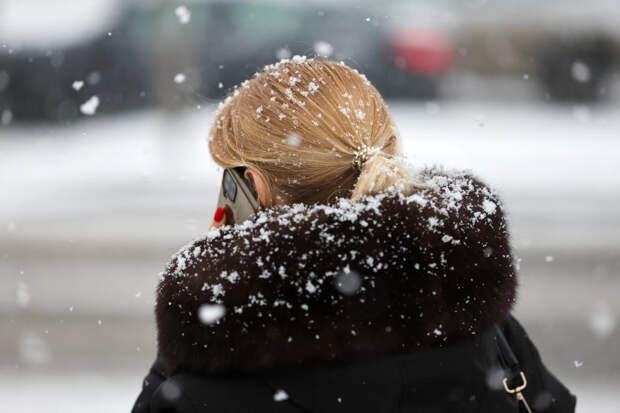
x,y
43,24
159,162
89,214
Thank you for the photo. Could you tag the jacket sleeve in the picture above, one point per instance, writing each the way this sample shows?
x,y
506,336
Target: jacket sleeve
x,y
544,392
150,384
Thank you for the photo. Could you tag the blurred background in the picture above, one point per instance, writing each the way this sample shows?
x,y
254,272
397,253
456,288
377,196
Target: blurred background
x,y
104,171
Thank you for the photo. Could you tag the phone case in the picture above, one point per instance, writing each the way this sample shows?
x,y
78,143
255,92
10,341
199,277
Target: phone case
x,y
244,203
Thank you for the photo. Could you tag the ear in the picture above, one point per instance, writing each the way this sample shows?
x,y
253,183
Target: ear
x,y
260,185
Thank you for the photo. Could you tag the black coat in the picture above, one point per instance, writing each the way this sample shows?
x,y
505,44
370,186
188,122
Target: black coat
x,y
388,304
462,378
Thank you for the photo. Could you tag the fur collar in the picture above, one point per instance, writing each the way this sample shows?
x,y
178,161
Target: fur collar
x,y
388,274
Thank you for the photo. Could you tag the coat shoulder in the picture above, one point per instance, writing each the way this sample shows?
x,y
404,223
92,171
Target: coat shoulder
x,y
388,274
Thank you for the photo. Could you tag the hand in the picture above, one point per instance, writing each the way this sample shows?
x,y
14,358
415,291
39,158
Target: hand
x,y
219,218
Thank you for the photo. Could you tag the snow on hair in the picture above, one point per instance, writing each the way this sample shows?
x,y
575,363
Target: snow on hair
x,y
299,124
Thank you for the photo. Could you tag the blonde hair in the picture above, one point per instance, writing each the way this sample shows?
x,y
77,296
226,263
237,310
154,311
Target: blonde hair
x,y
300,123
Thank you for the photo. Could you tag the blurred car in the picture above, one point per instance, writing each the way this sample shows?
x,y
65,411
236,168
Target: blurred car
x,y
571,47
160,53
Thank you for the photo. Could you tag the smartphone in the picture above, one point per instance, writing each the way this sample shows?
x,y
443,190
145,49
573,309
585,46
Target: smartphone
x,y
238,196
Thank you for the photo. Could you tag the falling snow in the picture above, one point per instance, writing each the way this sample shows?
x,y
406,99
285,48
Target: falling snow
x,y
90,106
293,140
280,396
183,14
323,49
602,321
211,313
581,72
23,294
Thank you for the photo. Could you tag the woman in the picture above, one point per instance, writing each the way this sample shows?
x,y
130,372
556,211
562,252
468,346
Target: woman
x,y
361,286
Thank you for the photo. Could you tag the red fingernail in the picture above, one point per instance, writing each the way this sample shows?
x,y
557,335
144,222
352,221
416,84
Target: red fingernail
x,y
219,214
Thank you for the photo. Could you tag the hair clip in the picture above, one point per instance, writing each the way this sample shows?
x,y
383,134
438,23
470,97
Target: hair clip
x,y
361,155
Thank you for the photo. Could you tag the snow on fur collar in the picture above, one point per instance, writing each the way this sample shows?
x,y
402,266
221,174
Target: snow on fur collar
x,y
302,283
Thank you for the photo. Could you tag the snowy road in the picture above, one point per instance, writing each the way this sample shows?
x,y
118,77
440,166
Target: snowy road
x,y
91,212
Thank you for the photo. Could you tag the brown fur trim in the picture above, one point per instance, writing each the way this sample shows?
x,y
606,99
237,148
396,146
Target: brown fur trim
x,y
434,267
